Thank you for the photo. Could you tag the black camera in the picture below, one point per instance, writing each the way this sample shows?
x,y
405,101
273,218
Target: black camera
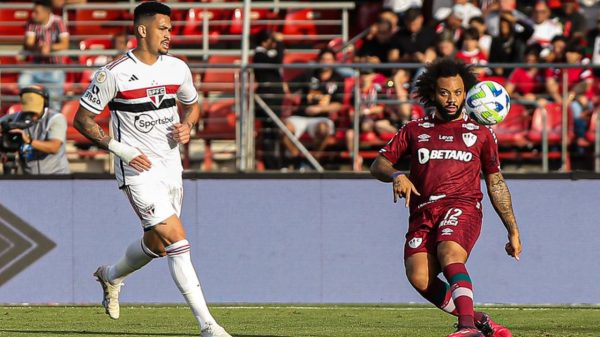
x,y
11,142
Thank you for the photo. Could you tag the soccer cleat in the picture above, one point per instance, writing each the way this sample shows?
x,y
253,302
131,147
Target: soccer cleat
x,y
466,332
491,328
213,330
110,300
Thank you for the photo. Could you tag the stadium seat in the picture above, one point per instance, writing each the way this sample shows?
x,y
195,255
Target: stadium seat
x,y
295,58
194,19
13,23
100,22
93,44
220,80
300,22
554,124
8,79
255,15
513,130
217,123
13,108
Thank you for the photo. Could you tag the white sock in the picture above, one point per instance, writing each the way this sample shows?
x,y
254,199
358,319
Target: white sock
x,y
136,256
184,275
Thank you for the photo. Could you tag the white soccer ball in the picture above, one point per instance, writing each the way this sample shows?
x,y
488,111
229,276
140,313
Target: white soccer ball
x,y
488,102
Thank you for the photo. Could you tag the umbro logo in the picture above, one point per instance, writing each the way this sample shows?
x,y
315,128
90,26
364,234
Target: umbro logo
x,y
133,78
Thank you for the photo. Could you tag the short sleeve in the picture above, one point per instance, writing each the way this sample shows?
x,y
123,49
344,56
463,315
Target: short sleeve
x,y
490,163
397,146
58,128
101,91
187,93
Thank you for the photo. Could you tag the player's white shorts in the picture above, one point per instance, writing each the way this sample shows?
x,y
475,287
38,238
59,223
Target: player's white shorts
x,y
158,197
304,124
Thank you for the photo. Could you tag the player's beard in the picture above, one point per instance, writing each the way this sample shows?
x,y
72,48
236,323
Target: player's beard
x,y
445,114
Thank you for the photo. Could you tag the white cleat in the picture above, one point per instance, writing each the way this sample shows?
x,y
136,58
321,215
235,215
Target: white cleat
x,y
110,300
213,330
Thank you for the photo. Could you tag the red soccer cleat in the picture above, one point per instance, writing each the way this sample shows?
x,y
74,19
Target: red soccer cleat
x,y
466,332
491,328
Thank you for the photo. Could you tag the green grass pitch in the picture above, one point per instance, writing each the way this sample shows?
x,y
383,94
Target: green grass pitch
x,y
289,321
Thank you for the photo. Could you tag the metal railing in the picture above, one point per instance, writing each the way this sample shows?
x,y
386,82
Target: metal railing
x,y
245,97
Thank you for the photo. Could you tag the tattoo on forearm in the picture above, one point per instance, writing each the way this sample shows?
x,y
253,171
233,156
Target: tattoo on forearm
x,y
89,128
501,200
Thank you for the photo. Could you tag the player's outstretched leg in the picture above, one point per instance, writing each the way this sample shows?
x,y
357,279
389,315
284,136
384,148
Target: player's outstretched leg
x,y
462,293
184,275
111,277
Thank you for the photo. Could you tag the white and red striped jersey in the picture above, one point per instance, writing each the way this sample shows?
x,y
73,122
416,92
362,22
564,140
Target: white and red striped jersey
x,y
142,100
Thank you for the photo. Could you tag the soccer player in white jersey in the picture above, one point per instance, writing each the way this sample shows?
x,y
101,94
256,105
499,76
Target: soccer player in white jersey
x,y
141,89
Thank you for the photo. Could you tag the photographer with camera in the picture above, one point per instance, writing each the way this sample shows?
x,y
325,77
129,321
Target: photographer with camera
x,y
37,133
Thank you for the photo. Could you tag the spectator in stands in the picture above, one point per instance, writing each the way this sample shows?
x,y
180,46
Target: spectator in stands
x,y
119,43
510,44
593,44
322,97
44,143
574,23
527,83
450,20
380,46
545,27
44,35
470,52
272,89
465,10
485,39
445,45
555,53
493,13
579,85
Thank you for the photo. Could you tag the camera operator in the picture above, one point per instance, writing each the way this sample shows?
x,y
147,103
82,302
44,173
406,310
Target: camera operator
x,y
42,145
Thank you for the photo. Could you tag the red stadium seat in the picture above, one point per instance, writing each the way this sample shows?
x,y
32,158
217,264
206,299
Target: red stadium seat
x,y
99,22
295,58
219,79
8,79
194,20
14,108
93,44
513,130
255,15
300,22
13,22
554,125
217,123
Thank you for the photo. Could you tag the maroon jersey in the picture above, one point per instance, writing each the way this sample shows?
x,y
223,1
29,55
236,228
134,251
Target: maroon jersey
x,y
446,158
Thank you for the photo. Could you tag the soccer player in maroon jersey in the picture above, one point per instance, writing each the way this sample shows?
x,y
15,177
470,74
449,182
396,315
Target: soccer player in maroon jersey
x,y
448,150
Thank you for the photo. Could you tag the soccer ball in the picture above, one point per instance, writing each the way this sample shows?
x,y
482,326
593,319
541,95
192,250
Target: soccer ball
x,y
487,102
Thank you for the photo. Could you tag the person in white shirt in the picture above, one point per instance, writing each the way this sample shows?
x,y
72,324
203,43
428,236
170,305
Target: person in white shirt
x,y
141,89
545,28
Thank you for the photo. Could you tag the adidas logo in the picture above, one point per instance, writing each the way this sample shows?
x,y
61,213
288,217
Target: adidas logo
x,y
133,78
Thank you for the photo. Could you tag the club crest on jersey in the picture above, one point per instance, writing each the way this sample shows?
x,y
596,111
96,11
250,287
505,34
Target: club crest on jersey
x,y
469,139
415,242
156,95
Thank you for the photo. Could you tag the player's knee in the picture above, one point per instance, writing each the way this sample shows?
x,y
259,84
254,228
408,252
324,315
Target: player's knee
x,y
418,280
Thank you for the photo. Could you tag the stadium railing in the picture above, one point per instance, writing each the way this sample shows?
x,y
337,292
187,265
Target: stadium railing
x,y
226,116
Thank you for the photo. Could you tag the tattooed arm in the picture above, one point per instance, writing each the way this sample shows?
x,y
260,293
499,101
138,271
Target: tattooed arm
x,y
84,122
501,200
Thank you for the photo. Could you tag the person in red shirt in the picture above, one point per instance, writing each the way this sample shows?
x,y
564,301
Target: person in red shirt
x,y
470,52
448,150
527,83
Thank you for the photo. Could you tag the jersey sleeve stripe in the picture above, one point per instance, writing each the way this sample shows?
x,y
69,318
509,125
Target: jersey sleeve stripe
x,y
89,107
143,92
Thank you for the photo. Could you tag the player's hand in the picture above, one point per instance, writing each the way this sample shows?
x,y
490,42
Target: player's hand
x,y
513,246
141,163
403,188
181,133
24,135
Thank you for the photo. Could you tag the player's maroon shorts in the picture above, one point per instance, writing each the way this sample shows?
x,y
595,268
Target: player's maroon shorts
x,y
443,220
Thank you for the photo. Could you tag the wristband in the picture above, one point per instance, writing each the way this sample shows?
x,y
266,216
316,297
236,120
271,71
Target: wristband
x,y
125,152
396,174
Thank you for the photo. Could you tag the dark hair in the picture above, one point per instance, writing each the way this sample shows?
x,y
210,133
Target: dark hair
x,y
476,19
262,36
45,3
471,34
412,14
150,8
326,51
575,46
534,48
443,67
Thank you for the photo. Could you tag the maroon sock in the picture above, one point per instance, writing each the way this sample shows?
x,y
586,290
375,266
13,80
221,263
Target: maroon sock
x,y
462,293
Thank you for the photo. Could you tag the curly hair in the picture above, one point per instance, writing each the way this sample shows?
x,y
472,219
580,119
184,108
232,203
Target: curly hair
x,y
444,67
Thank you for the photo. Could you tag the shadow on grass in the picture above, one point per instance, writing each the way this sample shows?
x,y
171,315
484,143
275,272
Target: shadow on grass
x,y
112,333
